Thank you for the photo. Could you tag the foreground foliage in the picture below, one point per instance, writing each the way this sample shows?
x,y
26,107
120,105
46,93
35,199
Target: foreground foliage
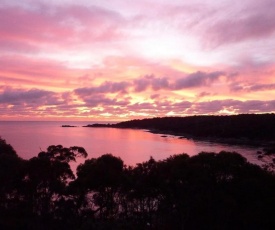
x,y
206,191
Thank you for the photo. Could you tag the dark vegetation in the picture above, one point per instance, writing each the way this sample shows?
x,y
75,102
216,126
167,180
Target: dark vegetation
x,y
99,125
250,126
206,191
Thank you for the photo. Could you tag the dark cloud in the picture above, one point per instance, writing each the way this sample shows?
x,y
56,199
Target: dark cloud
x,y
193,80
143,106
204,94
29,102
160,83
106,87
234,106
141,84
160,108
197,79
183,105
98,100
236,86
103,100
255,106
251,88
209,107
30,97
262,87
156,83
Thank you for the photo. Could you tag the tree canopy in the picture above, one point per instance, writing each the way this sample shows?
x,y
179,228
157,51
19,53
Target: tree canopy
x,y
205,191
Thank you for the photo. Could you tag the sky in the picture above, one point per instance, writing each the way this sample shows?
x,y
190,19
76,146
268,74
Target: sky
x,y
113,60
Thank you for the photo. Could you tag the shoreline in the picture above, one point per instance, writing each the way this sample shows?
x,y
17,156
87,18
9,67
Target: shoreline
x,y
230,140
242,141
261,146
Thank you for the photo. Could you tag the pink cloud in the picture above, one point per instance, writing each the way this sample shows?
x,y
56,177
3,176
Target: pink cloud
x,y
74,57
235,106
27,72
252,87
35,97
43,103
250,20
156,83
106,87
198,79
58,26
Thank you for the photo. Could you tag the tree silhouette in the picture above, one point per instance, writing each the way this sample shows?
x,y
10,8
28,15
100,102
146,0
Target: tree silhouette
x,y
6,149
205,191
62,154
11,176
46,180
99,179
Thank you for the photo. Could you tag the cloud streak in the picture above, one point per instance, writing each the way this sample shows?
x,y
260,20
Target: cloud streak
x,y
198,79
16,102
249,20
28,97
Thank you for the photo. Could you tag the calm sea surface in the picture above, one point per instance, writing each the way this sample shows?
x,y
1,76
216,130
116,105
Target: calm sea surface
x,y
133,146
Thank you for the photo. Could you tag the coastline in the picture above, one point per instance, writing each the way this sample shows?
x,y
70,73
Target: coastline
x,y
262,146
231,141
242,141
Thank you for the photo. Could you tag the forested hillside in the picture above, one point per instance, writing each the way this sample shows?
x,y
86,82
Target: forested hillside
x,y
251,126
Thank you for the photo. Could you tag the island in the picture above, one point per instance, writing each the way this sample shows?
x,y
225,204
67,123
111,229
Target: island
x,y
68,126
98,125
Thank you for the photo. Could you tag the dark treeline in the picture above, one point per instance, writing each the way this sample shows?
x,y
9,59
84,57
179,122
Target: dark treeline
x,y
251,126
206,191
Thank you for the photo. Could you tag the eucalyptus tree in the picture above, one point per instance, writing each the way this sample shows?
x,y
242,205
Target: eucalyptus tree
x,y
46,180
97,185
12,172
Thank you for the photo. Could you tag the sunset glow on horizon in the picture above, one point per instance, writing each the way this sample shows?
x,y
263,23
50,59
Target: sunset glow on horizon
x,y
118,60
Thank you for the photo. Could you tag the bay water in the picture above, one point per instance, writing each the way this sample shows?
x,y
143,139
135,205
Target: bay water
x,y
132,145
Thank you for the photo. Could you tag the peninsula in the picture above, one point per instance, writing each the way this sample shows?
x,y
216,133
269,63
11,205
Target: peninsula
x,y
253,127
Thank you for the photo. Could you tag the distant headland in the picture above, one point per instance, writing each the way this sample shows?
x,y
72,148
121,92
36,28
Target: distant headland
x,y
252,127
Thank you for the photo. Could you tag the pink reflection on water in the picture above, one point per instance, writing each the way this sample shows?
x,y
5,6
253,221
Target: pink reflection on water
x,y
132,146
